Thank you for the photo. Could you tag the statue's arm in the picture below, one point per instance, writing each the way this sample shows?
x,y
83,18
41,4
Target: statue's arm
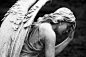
x,y
50,44
49,40
62,45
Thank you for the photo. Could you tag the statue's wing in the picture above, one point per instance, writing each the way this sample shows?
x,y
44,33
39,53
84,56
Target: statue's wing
x,y
16,25
12,27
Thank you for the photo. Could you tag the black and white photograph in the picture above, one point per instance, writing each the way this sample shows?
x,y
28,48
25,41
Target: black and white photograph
x,y
42,28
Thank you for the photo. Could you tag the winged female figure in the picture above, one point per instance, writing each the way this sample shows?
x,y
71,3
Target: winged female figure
x,y
21,37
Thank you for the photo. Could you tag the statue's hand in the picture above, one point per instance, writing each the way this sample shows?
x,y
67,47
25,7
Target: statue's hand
x,y
72,30
71,33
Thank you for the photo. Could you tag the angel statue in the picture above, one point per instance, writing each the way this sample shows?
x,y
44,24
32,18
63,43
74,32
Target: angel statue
x,y
20,36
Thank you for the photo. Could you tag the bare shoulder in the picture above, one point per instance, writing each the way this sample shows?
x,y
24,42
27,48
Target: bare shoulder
x,y
47,30
46,25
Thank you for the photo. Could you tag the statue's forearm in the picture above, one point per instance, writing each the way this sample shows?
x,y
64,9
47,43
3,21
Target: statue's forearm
x,y
62,45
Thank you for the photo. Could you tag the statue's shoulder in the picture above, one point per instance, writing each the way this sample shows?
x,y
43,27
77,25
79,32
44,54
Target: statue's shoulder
x,y
45,26
47,31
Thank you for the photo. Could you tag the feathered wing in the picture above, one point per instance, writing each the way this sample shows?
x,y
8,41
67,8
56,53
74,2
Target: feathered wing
x,y
16,26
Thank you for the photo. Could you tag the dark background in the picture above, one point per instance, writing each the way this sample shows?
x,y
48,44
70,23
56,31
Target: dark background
x,y
77,47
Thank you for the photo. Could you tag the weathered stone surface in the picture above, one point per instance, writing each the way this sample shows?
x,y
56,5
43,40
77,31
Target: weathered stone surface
x,y
77,48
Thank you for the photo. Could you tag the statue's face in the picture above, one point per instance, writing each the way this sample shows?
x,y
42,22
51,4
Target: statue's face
x,y
60,28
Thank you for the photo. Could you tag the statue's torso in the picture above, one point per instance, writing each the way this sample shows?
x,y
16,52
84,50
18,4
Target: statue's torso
x,y
34,43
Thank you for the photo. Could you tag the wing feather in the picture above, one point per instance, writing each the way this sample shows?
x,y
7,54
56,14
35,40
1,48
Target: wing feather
x,y
16,25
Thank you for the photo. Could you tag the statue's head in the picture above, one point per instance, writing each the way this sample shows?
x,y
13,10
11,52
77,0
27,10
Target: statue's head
x,y
62,17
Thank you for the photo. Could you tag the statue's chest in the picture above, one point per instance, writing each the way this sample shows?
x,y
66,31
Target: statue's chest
x,y
35,40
